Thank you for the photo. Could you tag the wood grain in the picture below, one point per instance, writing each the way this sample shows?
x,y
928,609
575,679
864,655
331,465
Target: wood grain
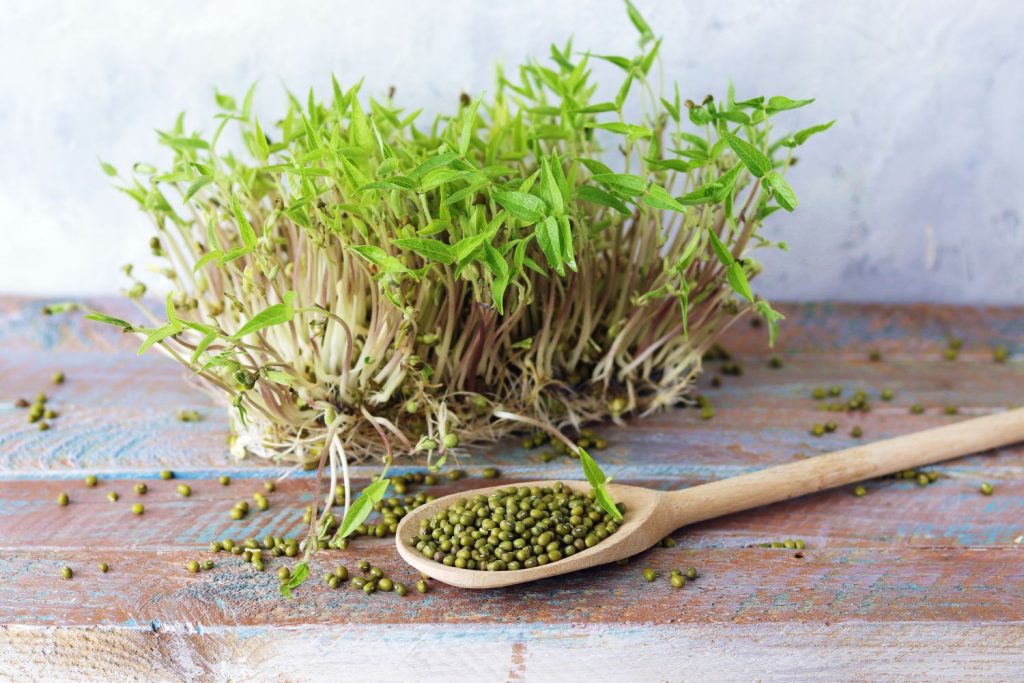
x,y
885,578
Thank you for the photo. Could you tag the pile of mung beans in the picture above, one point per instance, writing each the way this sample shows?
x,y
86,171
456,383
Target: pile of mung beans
x,y
514,528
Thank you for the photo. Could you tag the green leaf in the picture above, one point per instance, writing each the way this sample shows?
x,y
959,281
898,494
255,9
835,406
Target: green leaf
x,y
299,574
596,195
198,184
622,182
526,207
624,129
591,470
772,316
549,190
202,346
724,255
468,123
439,161
275,314
550,242
642,26
623,93
244,227
604,499
108,168
397,182
380,258
159,335
780,103
434,250
781,190
738,281
467,245
109,320
362,507
800,137
753,158
659,198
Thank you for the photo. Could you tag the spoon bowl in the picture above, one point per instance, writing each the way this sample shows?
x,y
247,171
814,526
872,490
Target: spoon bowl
x,y
651,515
635,534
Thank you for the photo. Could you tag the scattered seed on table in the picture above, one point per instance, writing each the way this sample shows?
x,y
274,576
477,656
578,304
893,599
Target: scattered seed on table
x,y
951,410
835,390
62,499
817,429
986,489
886,394
102,566
166,474
859,491
1000,354
91,480
225,480
341,572
400,589
67,572
775,362
192,566
43,426
141,489
677,581
49,414
421,586
691,573
875,355
364,565
490,473
950,354
916,409
284,573
385,584
269,486
208,564
237,513
138,509
184,490
923,480
856,432
112,496
650,575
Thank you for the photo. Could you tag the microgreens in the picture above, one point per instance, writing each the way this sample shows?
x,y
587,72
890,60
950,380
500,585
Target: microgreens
x,y
598,481
357,277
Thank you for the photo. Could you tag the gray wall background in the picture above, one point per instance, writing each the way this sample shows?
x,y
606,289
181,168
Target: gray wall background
x,y
915,194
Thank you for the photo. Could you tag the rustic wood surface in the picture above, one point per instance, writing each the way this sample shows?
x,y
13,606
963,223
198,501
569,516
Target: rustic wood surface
x,y
906,582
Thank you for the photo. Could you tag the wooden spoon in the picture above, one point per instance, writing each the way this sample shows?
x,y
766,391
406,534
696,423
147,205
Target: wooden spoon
x,y
651,515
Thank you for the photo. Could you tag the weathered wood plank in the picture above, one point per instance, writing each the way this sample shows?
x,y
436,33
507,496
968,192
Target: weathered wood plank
x,y
561,652
737,585
950,512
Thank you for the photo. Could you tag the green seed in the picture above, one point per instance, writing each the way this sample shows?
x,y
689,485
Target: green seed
x,y
43,426
421,586
62,499
102,566
368,587
67,572
184,490
886,394
91,480
691,573
138,509
284,573
451,440
916,409
600,444
875,355
1000,354
922,480
385,584
490,473
49,414
986,489
677,581
192,566
208,565
237,513
831,426
835,390
225,480
800,544
429,480
650,575
775,362
950,354
341,572
57,377
141,489
859,491
269,486
455,475
364,565
400,589
856,432
166,474
951,410
112,496
668,542
817,430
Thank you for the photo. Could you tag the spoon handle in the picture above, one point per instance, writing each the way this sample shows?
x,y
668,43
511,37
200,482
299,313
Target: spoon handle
x,y
856,464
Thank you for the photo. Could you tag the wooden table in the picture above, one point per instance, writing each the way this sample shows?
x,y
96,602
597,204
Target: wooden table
x,y
904,582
